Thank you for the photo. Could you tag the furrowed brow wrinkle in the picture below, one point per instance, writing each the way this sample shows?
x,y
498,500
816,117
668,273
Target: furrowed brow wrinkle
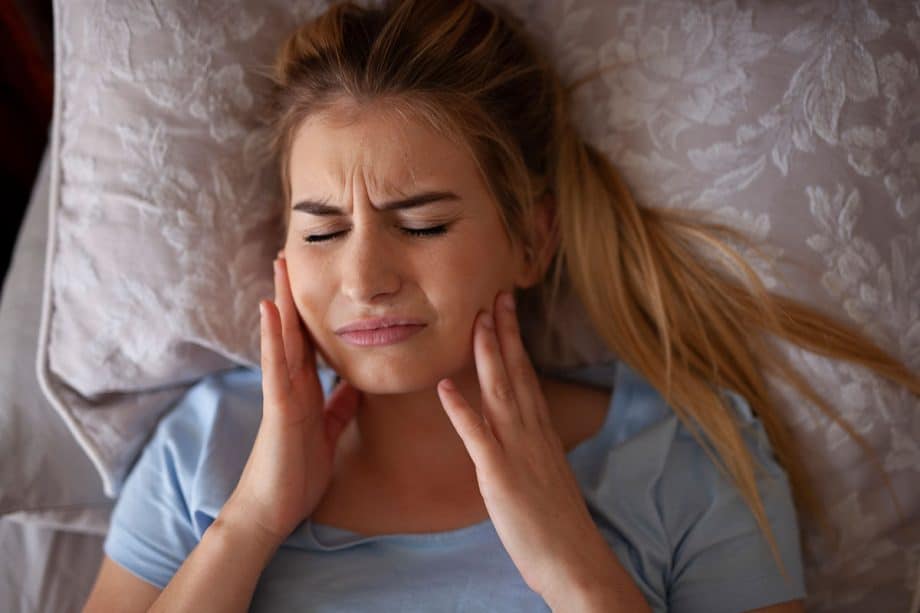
x,y
315,207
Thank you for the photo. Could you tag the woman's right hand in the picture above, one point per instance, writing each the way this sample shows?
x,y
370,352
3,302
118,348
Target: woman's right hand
x,y
290,466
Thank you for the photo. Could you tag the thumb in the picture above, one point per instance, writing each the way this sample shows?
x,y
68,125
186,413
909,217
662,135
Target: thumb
x,y
342,405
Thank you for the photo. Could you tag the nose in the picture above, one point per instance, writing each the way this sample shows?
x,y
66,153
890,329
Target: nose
x,y
370,263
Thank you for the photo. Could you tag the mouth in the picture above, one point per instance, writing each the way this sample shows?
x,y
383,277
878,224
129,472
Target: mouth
x,y
387,335
373,323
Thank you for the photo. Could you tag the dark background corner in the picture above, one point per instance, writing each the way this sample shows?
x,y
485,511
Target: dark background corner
x,y
26,100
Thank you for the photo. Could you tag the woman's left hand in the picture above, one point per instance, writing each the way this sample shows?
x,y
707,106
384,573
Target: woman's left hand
x,y
529,489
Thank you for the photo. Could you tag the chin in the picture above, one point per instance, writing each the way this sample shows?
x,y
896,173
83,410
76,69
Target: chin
x,y
375,384
389,375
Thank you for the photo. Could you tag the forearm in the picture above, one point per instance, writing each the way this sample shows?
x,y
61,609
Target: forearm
x,y
222,571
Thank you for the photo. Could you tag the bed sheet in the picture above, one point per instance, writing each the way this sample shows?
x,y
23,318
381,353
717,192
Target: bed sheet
x,y
51,478
53,512
44,569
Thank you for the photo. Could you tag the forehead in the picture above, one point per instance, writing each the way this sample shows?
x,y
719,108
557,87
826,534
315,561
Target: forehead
x,y
386,149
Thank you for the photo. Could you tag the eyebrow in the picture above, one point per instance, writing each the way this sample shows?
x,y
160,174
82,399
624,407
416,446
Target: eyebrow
x,y
322,208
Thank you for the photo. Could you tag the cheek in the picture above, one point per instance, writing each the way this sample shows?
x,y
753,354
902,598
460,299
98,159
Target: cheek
x,y
482,272
470,278
306,290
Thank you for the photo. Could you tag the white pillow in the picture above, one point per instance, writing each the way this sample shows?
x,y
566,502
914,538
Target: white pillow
x,y
787,121
161,213
165,212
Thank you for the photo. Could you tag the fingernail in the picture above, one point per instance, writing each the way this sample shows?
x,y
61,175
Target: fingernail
x,y
261,309
507,300
487,320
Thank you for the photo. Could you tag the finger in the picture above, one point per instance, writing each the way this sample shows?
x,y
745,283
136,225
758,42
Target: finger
x,y
294,341
275,380
499,404
473,427
518,366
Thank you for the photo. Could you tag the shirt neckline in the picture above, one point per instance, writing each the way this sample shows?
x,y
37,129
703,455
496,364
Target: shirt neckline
x,y
326,537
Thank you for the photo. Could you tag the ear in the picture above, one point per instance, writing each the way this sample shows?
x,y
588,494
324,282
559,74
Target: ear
x,y
545,243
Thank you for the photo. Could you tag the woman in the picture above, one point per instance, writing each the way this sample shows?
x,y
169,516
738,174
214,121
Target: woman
x,y
430,173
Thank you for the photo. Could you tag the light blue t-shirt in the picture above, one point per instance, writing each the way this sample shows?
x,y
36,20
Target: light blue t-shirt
x,y
676,524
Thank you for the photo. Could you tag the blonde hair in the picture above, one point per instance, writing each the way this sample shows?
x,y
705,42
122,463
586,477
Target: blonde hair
x,y
685,321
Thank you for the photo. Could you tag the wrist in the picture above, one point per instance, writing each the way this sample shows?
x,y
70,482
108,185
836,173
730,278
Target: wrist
x,y
230,555
585,601
603,586
582,596
234,522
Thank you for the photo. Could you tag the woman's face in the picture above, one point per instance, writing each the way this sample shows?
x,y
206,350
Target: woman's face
x,y
372,266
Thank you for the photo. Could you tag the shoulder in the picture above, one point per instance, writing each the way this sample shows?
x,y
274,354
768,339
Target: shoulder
x,y
220,407
641,413
648,432
201,404
199,448
207,437
181,478
184,474
690,534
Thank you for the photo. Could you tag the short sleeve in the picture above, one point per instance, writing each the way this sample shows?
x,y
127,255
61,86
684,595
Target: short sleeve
x,y
186,472
151,531
721,560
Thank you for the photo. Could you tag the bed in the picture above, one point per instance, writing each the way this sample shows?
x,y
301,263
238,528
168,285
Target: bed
x,y
50,550
799,122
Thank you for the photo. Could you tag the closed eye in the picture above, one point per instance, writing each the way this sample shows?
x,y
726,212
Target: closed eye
x,y
420,232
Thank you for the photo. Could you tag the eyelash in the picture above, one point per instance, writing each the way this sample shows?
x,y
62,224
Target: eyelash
x,y
417,232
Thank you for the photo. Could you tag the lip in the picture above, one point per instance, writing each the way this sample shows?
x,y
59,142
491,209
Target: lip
x,y
388,335
374,323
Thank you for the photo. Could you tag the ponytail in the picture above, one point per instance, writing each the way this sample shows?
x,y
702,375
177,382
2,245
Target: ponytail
x,y
686,322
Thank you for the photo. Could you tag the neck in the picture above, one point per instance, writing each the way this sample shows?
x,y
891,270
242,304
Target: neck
x,y
408,441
